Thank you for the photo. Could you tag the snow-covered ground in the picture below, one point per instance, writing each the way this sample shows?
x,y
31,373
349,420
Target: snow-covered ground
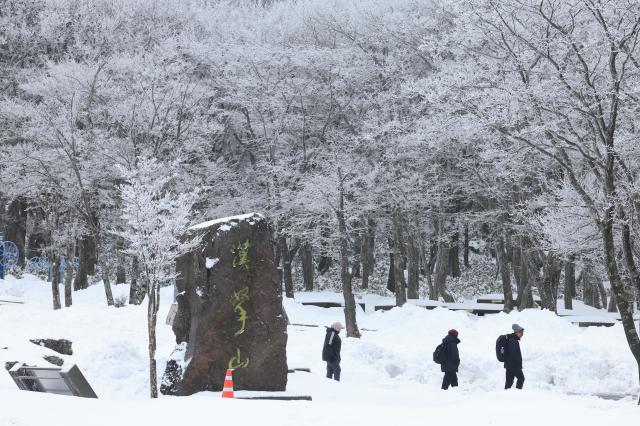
x,y
388,374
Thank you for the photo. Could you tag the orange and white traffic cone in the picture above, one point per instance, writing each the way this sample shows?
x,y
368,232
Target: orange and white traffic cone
x,y
227,389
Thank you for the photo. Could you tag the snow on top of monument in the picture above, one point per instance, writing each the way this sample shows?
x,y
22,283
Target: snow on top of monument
x,y
231,220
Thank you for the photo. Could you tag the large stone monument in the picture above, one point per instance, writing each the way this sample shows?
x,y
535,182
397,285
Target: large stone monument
x,y
229,312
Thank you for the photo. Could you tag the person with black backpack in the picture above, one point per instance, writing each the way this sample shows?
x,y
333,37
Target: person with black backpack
x,y
447,355
331,351
508,352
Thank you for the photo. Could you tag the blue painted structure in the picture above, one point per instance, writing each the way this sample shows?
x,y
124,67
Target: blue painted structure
x,y
9,255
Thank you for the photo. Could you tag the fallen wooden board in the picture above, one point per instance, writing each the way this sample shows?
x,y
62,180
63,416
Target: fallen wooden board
x,y
305,370
15,302
278,398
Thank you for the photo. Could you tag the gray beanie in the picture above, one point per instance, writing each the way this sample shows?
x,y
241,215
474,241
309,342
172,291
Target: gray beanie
x,y
517,328
337,326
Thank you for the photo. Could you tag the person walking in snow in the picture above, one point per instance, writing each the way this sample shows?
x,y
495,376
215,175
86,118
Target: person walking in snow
x,y
451,359
513,358
331,351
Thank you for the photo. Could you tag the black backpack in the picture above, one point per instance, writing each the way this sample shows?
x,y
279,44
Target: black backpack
x,y
439,354
501,347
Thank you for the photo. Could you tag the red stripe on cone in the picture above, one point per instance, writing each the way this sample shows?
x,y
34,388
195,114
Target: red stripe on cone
x,y
227,390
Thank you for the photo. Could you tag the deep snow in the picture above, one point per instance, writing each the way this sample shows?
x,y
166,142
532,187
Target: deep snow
x,y
388,374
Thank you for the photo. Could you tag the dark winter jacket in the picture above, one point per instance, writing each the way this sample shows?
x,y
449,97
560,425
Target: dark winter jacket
x,y
513,356
332,346
451,355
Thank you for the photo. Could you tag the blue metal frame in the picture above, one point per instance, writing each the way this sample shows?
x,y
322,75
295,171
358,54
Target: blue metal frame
x,y
9,256
42,264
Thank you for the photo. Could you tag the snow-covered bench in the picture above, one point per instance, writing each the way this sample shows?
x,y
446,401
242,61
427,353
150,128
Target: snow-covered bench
x,y
498,299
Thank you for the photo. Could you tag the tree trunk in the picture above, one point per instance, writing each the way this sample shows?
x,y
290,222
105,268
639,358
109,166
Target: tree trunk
x,y
550,280
91,250
286,266
618,291
105,278
602,293
528,275
627,251
356,250
466,246
16,228
55,281
611,306
137,290
516,264
107,288
68,277
432,290
441,268
306,258
347,290
152,318
398,267
454,256
413,255
324,264
391,278
505,274
82,280
569,282
591,295
278,263
121,276
430,264
368,252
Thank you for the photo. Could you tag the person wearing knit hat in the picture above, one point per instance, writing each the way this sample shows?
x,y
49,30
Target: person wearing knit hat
x,y
451,359
513,358
331,351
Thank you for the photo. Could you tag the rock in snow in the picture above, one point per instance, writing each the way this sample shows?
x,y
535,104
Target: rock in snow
x,y
55,360
230,316
62,346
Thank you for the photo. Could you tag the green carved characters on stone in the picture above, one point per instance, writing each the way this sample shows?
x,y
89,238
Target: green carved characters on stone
x,y
241,254
237,362
237,300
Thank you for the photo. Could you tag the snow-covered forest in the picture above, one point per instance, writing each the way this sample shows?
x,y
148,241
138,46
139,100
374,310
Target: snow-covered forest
x,y
420,149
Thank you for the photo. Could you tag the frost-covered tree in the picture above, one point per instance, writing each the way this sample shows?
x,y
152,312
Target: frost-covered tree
x,y
155,219
562,80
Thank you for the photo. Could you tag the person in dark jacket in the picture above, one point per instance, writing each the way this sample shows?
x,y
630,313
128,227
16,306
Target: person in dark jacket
x,y
513,358
331,351
451,360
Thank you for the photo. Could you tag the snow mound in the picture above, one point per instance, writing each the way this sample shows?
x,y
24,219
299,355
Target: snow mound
x,y
386,372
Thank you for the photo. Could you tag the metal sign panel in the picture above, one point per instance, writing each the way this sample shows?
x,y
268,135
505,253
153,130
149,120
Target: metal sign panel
x,y
61,381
